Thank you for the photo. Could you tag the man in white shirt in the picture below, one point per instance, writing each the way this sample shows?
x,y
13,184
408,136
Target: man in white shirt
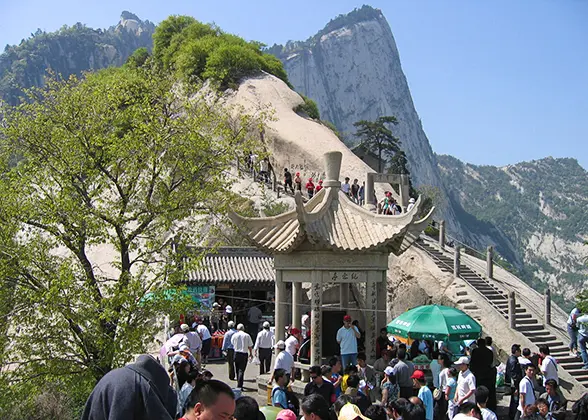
x,y
526,391
345,187
206,339
466,382
347,338
305,326
572,327
549,365
192,340
242,344
229,350
293,342
524,358
263,348
284,360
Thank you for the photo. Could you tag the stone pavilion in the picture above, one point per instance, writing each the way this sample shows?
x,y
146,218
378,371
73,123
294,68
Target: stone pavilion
x,y
331,241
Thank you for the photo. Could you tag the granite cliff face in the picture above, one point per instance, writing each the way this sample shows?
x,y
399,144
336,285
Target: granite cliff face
x,y
352,70
70,50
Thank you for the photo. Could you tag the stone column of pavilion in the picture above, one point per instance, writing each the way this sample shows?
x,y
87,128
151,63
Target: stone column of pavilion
x,y
331,240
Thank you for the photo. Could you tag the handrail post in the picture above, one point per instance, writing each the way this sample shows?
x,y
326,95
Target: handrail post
x,y
442,234
512,311
457,261
490,262
547,314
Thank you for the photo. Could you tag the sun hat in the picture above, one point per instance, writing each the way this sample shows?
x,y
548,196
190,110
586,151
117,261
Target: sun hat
x,y
411,200
419,375
281,344
231,324
229,309
266,324
185,327
286,415
463,360
389,370
351,412
347,318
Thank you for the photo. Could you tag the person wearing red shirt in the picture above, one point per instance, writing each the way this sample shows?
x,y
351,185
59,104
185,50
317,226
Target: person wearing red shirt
x,y
310,188
319,187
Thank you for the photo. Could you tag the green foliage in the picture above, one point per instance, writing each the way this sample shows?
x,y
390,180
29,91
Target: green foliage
x,y
200,51
111,166
332,127
70,50
309,107
229,63
582,301
138,58
375,136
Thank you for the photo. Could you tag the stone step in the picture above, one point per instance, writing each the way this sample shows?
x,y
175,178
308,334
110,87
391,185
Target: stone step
x,y
540,333
571,365
526,321
578,372
542,339
523,328
460,301
567,358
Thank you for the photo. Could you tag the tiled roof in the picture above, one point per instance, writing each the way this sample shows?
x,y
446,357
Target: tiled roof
x,y
330,220
232,265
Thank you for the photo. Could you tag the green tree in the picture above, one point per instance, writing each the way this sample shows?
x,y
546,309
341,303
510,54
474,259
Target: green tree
x,y
138,58
110,168
374,135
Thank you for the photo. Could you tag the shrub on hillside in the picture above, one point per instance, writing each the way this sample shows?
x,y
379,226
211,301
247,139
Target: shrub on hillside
x,y
309,108
229,63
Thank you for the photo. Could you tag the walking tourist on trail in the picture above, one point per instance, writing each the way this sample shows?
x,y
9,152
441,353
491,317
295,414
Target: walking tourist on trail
x,y
298,181
572,327
293,342
264,169
582,322
548,365
254,320
425,393
152,397
466,382
310,188
411,203
288,180
263,348
229,349
345,187
280,391
210,400
193,341
526,390
512,378
319,186
403,373
206,338
451,391
354,191
284,360
481,364
347,338
390,388
243,345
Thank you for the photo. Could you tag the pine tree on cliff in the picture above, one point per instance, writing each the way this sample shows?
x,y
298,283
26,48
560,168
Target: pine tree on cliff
x,y
375,136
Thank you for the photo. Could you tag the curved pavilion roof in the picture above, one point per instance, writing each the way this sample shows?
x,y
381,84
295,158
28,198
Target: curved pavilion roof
x,y
330,220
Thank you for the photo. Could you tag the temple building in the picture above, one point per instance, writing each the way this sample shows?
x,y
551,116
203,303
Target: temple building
x,y
332,242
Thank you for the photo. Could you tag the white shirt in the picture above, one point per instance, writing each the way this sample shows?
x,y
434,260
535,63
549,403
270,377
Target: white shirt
x,y
193,341
576,312
549,369
435,370
443,379
203,331
465,383
264,340
345,188
292,345
461,416
241,342
488,414
409,207
284,360
264,165
526,387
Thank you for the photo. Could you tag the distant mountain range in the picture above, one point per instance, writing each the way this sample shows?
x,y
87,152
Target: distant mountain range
x,y
534,213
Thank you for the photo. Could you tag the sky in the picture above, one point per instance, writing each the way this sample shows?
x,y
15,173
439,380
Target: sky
x,y
494,82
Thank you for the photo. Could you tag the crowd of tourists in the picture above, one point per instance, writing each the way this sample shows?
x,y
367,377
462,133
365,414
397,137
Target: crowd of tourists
x,y
459,387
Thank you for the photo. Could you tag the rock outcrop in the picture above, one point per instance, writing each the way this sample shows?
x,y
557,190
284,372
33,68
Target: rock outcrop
x,y
352,70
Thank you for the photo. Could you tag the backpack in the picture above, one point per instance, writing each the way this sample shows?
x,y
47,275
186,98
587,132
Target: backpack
x,y
293,403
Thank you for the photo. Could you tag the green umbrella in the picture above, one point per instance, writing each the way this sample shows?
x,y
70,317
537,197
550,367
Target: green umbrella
x,y
270,412
435,322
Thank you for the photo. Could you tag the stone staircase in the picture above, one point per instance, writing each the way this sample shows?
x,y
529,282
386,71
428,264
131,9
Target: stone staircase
x,y
526,323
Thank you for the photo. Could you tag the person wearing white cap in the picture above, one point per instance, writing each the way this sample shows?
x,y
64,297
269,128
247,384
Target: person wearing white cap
x,y
192,340
284,360
242,343
229,350
263,348
410,204
466,382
